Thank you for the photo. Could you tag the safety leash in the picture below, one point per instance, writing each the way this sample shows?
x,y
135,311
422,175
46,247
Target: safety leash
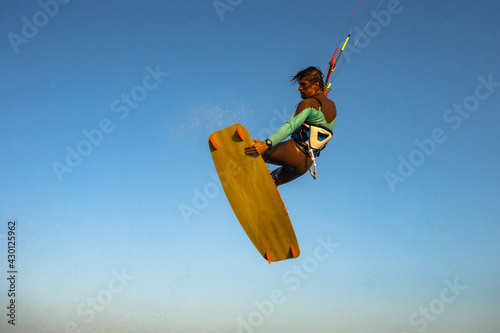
x,y
313,173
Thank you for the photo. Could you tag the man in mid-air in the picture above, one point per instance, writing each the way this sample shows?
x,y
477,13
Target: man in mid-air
x,y
310,128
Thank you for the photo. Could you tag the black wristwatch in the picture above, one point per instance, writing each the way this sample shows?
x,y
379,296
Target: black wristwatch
x,y
269,143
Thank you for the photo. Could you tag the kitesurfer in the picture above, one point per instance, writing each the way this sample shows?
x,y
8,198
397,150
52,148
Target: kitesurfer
x,y
310,128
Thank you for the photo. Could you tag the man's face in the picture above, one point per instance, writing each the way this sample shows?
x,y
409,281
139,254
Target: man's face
x,y
307,89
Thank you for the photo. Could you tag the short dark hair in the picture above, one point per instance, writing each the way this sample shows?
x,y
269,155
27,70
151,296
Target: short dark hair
x,y
312,74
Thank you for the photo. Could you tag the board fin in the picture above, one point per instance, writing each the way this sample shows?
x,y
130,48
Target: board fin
x,y
240,134
293,252
212,142
267,257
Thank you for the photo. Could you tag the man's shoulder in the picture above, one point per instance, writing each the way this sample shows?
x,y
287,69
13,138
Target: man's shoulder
x,y
308,103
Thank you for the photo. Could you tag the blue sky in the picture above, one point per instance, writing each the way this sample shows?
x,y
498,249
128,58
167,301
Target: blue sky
x,y
399,233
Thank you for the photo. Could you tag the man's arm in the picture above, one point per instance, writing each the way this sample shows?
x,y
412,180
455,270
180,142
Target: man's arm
x,y
297,119
303,110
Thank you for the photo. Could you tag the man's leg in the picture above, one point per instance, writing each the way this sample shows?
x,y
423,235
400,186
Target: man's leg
x,y
294,163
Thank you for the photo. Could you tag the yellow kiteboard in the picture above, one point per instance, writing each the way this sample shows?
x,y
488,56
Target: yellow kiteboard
x,y
252,194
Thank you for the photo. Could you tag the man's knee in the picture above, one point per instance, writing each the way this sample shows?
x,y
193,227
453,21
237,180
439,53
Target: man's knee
x,y
266,155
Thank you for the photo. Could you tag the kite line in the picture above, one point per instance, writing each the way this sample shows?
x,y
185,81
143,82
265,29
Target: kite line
x,y
335,58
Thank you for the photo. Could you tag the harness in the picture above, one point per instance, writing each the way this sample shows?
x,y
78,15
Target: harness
x,y
311,139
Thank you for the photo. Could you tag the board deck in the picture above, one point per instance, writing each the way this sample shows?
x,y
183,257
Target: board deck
x,y
252,194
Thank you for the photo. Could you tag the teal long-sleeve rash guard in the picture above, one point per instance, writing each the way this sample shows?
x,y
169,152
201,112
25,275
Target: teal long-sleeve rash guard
x,y
310,111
